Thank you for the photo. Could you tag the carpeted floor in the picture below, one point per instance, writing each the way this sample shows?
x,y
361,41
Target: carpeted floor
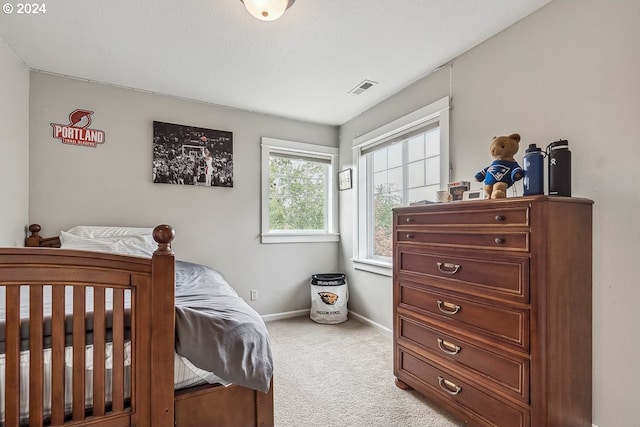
x,y
342,376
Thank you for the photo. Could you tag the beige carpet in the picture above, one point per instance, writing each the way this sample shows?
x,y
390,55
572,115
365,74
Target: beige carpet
x,y
342,376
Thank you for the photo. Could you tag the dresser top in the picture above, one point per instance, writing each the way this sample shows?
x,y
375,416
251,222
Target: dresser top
x,y
494,203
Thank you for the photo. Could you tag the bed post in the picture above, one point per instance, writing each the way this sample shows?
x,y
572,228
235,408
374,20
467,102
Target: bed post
x,y
163,331
35,240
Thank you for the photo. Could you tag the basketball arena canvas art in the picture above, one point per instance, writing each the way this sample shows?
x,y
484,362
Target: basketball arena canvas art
x,y
188,155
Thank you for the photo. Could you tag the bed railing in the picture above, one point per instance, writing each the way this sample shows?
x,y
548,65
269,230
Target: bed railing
x,y
105,292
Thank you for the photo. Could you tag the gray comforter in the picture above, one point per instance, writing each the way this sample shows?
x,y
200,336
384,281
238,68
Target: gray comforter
x,y
218,331
215,328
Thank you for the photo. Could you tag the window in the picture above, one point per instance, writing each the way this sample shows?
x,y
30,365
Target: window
x,y
400,163
298,192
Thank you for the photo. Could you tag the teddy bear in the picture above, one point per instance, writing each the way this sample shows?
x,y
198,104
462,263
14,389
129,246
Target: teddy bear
x,y
503,171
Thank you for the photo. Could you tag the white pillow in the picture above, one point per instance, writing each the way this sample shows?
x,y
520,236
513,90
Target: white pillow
x,y
139,245
91,231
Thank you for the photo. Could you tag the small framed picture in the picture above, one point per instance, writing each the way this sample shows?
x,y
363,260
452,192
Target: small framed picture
x,y
456,189
344,179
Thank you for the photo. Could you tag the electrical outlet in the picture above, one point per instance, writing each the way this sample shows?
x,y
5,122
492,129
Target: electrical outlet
x,y
254,294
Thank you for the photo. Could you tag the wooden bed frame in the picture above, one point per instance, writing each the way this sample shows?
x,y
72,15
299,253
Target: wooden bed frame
x,y
150,282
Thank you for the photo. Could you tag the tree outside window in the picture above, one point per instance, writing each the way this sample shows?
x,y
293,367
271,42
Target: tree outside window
x,y
383,203
296,194
299,200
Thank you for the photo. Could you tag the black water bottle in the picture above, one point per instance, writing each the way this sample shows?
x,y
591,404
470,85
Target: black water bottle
x,y
559,158
533,170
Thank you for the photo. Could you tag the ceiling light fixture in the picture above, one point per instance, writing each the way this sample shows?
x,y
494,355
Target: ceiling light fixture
x,y
267,10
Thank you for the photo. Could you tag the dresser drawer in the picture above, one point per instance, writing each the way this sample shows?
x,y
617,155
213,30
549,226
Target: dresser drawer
x,y
517,216
506,277
509,374
492,240
485,409
495,322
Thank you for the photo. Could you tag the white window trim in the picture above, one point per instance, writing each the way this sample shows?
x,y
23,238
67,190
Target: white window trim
x,y
438,109
273,145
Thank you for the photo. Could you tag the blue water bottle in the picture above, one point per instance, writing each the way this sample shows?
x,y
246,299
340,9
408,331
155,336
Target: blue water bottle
x,y
533,170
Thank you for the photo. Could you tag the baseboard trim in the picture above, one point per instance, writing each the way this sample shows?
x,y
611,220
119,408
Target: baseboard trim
x,y
359,317
383,329
286,315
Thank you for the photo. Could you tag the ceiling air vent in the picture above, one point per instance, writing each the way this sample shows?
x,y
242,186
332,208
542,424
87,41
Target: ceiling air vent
x,y
362,86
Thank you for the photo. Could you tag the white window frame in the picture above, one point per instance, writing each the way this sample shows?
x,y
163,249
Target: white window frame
x,y
436,111
281,146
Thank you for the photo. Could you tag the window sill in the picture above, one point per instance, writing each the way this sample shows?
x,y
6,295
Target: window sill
x,y
300,238
377,267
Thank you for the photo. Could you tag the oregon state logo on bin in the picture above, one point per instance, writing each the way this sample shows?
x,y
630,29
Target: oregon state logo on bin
x,y
328,297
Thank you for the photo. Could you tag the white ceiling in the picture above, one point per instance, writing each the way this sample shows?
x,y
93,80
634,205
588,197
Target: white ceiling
x,y
301,66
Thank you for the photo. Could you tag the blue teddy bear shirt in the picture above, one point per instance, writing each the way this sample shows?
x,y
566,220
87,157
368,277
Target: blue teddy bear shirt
x,y
500,171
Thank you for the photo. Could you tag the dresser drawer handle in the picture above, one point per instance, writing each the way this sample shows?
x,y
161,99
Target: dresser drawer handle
x,y
500,218
410,236
500,240
448,306
448,268
448,347
409,219
448,386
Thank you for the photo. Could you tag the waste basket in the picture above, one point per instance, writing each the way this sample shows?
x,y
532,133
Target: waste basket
x,y
329,296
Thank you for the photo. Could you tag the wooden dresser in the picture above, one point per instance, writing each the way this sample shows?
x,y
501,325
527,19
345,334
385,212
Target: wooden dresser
x,y
492,309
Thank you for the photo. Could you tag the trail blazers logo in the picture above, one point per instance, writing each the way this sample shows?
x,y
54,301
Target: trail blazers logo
x,y
77,132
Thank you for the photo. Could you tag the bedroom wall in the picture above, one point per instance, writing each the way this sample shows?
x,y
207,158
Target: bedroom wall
x,y
570,70
14,146
112,184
